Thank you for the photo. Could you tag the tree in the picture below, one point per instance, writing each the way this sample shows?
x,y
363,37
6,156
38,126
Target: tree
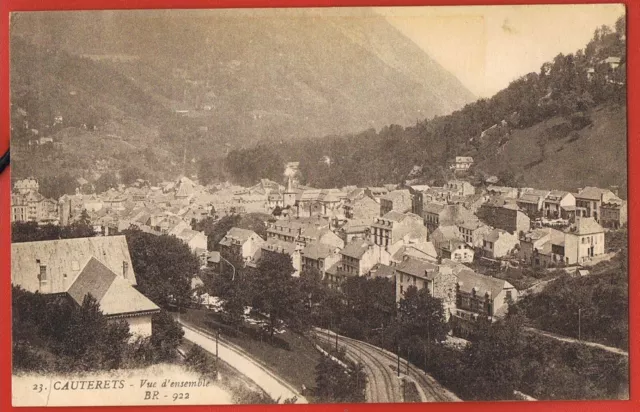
x,y
32,232
200,361
311,287
235,286
166,336
84,335
130,174
493,361
335,384
54,186
369,302
79,228
422,316
164,267
105,182
217,229
277,293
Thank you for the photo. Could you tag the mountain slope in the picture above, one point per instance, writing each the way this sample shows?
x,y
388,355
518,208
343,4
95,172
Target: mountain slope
x,y
262,74
550,155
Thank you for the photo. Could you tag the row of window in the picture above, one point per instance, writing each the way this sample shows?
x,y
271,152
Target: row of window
x,y
591,240
431,218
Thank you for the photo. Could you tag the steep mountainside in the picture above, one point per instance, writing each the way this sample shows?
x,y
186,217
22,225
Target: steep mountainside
x,y
258,74
551,155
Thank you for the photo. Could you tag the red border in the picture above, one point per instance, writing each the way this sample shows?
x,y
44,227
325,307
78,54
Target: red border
x,y
633,78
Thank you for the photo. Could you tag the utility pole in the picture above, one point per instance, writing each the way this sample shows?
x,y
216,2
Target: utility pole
x,y
398,351
336,342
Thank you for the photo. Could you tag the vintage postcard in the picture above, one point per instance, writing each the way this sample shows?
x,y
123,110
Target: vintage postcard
x,y
331,205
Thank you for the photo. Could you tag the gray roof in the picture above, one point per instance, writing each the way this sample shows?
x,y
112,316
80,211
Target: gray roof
x,y
115,295
64,258
356,248
585,226
494,235
418,268
591,193
279,246
317,250
468,280
236,234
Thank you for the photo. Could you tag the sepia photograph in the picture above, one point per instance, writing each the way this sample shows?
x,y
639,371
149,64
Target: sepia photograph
x,y
319,205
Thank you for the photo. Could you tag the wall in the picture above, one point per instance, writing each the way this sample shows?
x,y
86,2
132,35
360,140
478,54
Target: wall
x,y
198,242
444,287
462,255
139,326
331,239
251,246
504,245
571,243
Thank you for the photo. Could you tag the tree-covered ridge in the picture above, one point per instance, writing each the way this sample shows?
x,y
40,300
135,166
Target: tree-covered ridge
x,y
568,87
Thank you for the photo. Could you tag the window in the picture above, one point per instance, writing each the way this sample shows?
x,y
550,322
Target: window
x,y
43,273
125,268
401,289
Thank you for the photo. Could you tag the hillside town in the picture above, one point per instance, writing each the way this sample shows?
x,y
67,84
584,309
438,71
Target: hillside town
x,y
428,237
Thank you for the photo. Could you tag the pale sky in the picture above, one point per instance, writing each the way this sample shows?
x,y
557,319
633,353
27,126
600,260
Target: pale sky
x,y
487,47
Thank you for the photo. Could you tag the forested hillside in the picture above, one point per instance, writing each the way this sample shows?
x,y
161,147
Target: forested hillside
x,y
562,127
